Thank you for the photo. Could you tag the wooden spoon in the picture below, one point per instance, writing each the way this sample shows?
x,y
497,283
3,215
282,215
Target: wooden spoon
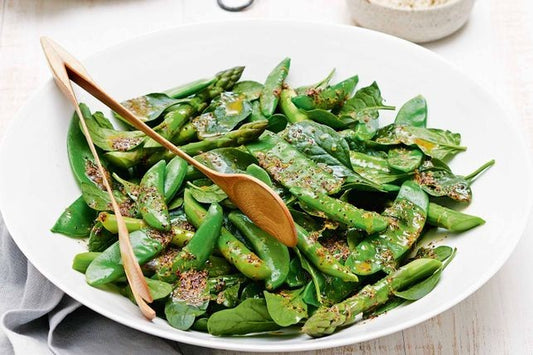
x,y
253,197
132,269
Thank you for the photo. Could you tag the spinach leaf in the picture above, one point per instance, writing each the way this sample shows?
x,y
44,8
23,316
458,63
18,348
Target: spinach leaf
x,y
436,143
250,316
329,119
364,106
297,275
329,98
437,179
321,143
413,113
226,160
322,84
405,160
149,107
286,307
158,289
375,168
186,301
207,194
224,114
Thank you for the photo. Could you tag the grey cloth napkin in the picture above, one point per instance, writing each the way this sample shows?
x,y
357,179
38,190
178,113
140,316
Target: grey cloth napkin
x,y
38,318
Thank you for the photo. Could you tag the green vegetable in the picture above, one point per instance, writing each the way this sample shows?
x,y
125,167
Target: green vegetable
x,y
175,172
82,261
270,250
274,82
152,199
343,212
329,98
286,307
76,221
326,320
454,221
381,251
413,113
250,316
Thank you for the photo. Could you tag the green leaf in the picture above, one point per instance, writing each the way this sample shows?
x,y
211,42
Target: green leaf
x,y
249,88
364,106
158,289
100,238
329,98
224,114
297,276
149,107
207,194
226,160
436,143
405,160
251,316
319,142
76,221
329,119
286,307
413,113
375,168
188,300
110,139
437,179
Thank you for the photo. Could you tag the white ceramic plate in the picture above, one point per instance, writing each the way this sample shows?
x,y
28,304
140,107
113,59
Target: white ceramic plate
x,y
36,183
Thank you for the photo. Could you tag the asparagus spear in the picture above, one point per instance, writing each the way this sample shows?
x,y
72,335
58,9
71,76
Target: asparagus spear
x,y
326,320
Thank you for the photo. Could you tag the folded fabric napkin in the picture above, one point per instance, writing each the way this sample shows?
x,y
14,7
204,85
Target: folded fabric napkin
x,y
38,318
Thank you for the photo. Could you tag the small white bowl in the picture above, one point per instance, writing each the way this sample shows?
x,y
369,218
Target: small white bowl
x,y
413,24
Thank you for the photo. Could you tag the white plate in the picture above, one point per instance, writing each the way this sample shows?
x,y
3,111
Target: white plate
x,y
36,183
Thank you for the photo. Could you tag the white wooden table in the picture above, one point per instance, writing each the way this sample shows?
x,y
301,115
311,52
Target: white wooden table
x,y
495,47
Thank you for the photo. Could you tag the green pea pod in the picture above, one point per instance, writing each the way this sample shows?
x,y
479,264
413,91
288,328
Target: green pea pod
x,y
289,109
381,251
109,222
80,157
197,251
76,221
259,173
107,267
151,198
321,258
82,261
174,175
275,254
341,211
100,238
290,167
172,123
270,94
246,261
109,139
454,221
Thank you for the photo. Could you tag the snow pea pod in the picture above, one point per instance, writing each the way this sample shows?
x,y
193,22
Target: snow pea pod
x,y
455,221
289,109
246,261
107,267
151,198
321,258
327,320
109,222
80,157
197,251
270,250
76,221
404,159
82,261
269,97
340,211
329,98
110,139
172,123
175,172
100,238
381,251
290,167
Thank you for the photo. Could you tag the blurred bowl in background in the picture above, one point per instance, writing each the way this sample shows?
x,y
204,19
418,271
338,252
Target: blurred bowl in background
x,y
417,24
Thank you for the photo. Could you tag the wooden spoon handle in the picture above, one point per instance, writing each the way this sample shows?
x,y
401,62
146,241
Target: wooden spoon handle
x,y
131,267
79,75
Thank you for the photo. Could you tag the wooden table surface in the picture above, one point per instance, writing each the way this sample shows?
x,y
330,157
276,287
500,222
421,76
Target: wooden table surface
x,y
495,47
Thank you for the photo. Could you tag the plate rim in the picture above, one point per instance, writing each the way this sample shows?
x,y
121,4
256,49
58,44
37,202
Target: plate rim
x,y
218,342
